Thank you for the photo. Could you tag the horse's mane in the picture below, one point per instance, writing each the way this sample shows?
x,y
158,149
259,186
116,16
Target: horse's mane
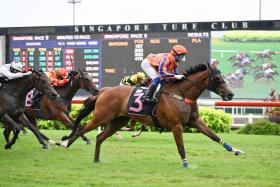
x,y
72,74
195,69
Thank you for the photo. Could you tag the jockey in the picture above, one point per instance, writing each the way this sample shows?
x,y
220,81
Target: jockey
x,y
133,80
240,71
58,77
12,71
268,72
266,66
213,63
162,65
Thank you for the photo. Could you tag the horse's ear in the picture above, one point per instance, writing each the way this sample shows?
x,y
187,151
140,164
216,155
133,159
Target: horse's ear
x,y
208,66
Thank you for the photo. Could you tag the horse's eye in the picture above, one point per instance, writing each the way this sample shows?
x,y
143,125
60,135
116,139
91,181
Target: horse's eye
x,y
218,79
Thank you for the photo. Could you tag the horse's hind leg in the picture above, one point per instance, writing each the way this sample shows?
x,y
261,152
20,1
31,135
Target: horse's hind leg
x,y
69,122
109,130
95,122
140,131
202,127
88,141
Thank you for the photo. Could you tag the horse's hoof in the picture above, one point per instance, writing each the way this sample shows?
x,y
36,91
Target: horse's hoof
x,y
46,147
237,151
63,143
8,146
89,142
96,161
185,165
64,138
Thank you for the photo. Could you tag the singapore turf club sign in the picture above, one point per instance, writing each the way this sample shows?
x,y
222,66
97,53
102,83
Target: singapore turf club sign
x,y
177,27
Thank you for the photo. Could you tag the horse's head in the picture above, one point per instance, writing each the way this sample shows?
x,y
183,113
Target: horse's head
x,y
42,83
218,85
85,82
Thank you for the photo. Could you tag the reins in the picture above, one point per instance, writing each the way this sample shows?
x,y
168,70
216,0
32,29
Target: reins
x,y
182,98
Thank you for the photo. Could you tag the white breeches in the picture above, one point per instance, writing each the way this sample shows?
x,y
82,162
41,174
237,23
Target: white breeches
x,y
148,69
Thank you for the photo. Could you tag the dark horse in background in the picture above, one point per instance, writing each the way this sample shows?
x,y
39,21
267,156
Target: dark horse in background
x,y
110,109
268,77
12,97
59,109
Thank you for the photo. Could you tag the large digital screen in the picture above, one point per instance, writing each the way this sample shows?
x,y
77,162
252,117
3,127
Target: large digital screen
x,y
106,57
249,60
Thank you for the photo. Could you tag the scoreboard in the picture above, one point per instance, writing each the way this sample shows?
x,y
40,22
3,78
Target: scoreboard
x,y
106,57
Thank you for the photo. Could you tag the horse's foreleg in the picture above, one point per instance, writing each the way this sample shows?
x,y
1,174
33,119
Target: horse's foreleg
x,y
11,124
7,131
33,121
23,119
6,119
177,131
13,140
80,131
202,127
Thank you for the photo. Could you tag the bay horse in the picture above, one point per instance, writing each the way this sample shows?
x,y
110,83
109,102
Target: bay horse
x,y
268,77
176,107
59,109
12,96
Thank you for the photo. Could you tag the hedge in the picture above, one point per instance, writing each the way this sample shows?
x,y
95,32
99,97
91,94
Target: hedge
x,y
251,36
217,120
261,127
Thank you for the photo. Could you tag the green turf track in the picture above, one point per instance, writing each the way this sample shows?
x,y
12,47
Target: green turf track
x,y
251,89
149,160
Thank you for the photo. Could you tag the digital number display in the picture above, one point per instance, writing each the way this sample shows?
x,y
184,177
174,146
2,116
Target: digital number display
x,y
106,57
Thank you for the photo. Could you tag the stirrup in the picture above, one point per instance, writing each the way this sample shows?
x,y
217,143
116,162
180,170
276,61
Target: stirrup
x,y
149,100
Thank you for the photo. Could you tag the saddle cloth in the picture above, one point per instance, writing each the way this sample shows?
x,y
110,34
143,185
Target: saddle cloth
x,y
136,105
31,102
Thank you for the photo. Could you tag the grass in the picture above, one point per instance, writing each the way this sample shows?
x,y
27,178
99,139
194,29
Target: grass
x,y
149,160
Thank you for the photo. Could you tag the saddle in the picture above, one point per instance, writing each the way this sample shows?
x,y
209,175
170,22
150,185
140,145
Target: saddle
x,y
136,105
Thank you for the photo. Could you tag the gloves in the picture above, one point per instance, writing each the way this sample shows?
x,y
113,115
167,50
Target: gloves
x,y
179,77
27,73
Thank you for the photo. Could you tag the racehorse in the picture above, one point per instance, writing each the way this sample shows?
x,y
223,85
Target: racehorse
x,y
12,96
246,62
264,67
238,57
235,80
262,74
266,54
60,108
88,106
176,108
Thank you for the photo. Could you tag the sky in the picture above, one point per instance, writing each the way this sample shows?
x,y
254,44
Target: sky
x,y
23,13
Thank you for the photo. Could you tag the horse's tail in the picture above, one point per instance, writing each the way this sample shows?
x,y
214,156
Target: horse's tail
x,y
88,107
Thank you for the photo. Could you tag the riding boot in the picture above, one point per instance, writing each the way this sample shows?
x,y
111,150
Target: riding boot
x,y
148,97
